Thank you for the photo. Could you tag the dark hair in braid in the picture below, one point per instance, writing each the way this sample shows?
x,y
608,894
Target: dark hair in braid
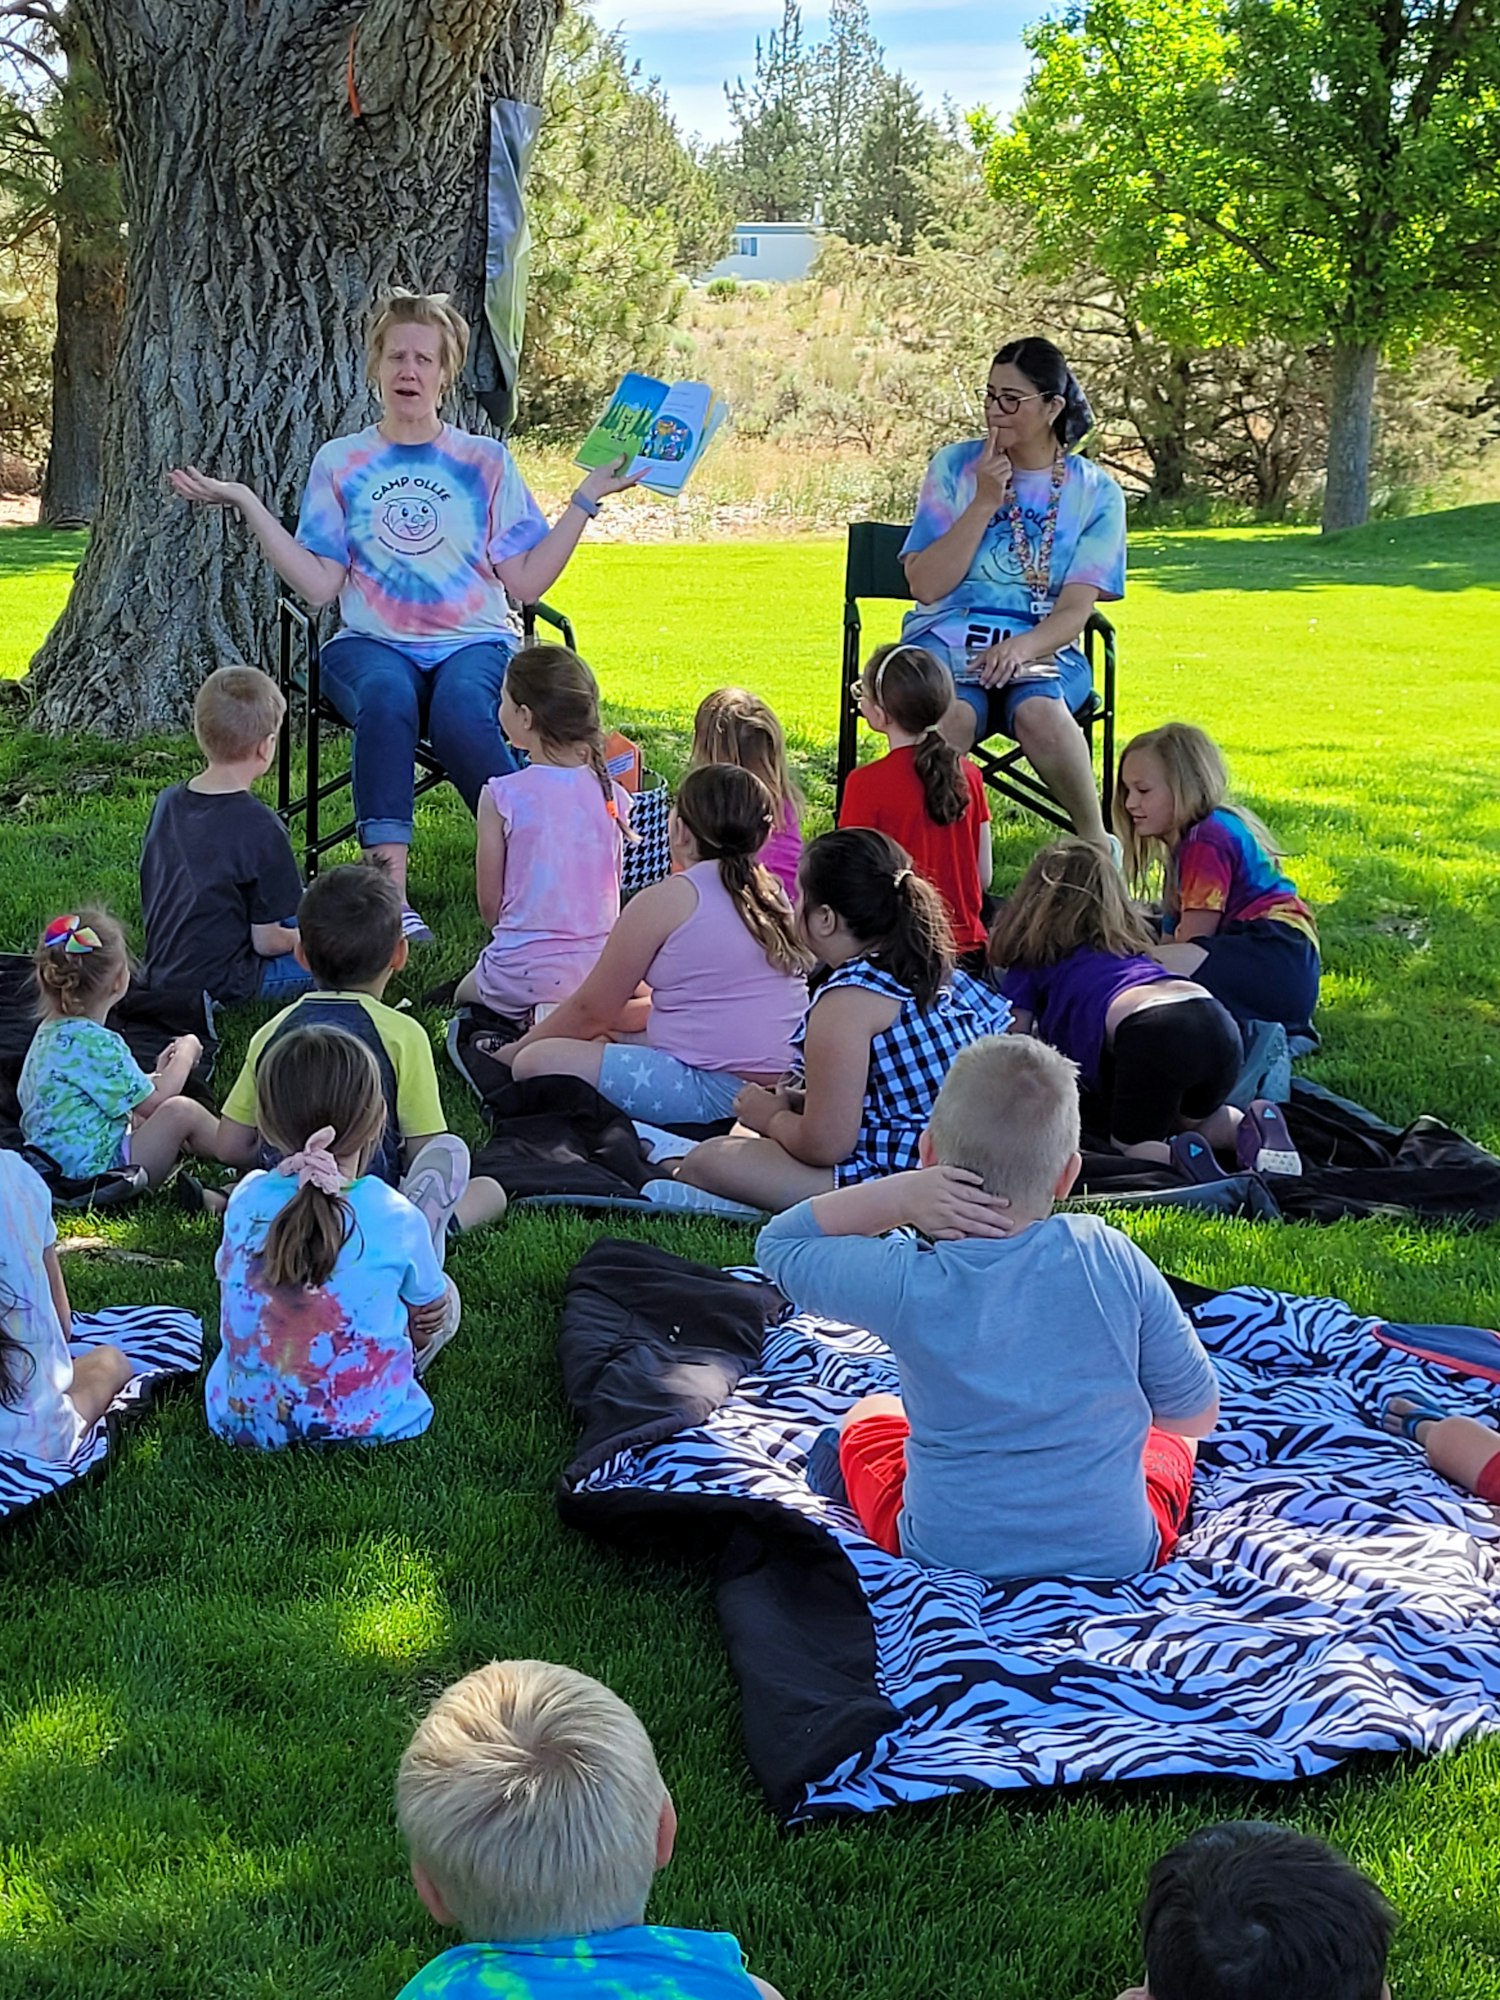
x,y
563,696
916,691
730,815
867,880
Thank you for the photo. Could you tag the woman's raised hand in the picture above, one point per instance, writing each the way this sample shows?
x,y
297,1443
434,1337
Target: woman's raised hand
x,y
607,479
991,474
188,483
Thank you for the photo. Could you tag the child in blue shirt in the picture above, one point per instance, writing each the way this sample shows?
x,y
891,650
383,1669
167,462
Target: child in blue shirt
x,y
536,1818
1052,1388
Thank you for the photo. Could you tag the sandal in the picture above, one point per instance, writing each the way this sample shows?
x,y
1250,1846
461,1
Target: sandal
x,y
1405,1424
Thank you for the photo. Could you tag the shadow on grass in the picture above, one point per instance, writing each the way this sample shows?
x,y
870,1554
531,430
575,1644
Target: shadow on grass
x,y
23,550
1455,550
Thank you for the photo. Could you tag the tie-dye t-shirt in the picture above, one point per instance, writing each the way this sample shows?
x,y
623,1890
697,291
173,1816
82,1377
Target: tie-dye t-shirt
x,y
645,1961
79,1085
415,524
562,884
1221,866
326,1364
1088,547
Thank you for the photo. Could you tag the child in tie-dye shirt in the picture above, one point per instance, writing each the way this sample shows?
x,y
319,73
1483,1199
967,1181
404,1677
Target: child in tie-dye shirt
x,y
333,1298
547,864
536,1817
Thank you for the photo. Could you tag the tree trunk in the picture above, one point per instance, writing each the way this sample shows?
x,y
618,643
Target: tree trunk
x,y
265,204
90,301
90,290
1346,493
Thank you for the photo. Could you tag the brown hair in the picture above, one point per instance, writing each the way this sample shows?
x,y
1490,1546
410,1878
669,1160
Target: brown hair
x,y
309,1078
867,880
730,815
68,981
1072,895
915,690
733,726
350,923
563,696
235,710
401,308
1198,779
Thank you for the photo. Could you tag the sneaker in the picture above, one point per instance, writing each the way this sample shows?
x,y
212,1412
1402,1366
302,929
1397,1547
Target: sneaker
x,y
1193,1158
435,1185
1263,1143
422,1357
414,928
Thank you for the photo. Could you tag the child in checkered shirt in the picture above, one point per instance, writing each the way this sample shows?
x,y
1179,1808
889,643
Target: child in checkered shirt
x,y
879,1035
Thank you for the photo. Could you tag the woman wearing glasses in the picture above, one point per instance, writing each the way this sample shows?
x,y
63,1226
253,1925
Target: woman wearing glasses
x,y
1015,540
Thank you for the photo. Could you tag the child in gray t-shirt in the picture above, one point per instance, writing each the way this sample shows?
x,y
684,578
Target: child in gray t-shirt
x,y
1052,1388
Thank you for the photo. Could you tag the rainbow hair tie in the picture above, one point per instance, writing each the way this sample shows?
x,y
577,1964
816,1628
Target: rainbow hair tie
x,y
72,934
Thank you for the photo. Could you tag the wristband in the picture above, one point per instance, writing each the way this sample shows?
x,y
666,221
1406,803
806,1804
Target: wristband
x,y
584,504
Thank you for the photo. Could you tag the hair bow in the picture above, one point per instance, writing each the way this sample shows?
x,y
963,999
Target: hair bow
x,y
315,1165
72,933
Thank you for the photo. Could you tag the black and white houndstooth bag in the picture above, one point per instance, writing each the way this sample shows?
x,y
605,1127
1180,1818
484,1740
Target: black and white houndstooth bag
x,y
648,858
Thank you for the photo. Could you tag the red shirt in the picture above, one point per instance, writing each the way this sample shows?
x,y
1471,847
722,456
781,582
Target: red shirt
x,y
887,795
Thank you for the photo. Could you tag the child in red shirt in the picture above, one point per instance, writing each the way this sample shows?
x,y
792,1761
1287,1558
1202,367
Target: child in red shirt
x,y
923,794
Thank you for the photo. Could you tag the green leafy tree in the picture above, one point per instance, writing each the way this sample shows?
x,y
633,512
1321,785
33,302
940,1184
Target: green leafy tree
x,y
1315,171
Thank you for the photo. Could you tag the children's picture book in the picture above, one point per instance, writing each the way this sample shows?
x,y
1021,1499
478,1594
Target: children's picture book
x,y
663,428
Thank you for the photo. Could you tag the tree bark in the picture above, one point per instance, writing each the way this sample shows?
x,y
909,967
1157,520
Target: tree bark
x,y
1346,494
265,206
90,301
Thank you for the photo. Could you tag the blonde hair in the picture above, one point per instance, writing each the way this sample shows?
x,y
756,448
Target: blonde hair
x,y
730,815
306,1079
916,691
1198,779
402,308
733,726
530,1795
1008,1111
234,711
1070,897
68,981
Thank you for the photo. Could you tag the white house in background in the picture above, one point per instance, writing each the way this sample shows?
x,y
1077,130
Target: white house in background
x,y
777,252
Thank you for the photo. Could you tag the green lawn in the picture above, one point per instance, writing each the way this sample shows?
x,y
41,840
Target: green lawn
x,y
210,1663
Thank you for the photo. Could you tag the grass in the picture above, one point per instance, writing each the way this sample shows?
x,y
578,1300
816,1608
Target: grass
x,y
209,1663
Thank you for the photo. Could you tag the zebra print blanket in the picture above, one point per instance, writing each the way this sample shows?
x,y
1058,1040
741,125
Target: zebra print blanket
x,y
1331,1595
161,1340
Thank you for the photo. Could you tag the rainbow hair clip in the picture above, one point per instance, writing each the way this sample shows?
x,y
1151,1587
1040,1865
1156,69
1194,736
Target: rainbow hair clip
x,y
72,934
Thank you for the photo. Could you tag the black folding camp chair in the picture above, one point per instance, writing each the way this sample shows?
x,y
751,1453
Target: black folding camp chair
x,y
299,676
873,569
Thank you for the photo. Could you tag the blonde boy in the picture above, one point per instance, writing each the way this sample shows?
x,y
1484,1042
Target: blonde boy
x,y
218,879
536,1819
1052,1387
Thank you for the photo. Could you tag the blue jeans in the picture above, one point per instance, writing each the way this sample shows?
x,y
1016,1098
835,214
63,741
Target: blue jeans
x,y
390,702
995,708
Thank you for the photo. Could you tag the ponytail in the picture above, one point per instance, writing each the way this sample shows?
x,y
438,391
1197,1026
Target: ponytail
x,y
312,1082
730,815
913,689
867,880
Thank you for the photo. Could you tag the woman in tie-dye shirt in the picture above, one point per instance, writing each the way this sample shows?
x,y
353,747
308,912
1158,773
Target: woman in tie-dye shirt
x,y
424,534
1015,540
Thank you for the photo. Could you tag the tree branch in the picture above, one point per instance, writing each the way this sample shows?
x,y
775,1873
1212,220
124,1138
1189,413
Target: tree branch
x,y
1440,59
30,57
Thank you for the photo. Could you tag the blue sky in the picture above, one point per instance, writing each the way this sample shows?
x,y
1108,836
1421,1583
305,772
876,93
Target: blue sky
x,y
971,53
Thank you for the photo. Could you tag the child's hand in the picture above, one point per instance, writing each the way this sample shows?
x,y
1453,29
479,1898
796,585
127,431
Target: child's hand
x,y
756,1106
949,1202
426,1322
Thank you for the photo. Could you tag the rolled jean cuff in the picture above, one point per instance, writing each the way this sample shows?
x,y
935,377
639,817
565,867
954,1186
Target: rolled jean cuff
x,y
384,832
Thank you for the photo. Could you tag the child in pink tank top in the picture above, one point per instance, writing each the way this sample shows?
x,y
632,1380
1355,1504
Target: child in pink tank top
x,y
550,841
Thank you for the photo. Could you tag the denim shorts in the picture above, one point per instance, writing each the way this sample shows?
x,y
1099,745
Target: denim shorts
x,y
995,708
648,1083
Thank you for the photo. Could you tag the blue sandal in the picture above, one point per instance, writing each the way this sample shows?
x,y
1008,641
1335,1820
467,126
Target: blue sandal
x,y
1406,1426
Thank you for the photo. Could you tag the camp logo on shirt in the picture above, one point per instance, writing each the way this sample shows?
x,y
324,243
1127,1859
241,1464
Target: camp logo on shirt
x,y
408,515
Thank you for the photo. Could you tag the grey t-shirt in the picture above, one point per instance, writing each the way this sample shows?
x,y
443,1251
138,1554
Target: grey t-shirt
x,y
213,864
1031,1368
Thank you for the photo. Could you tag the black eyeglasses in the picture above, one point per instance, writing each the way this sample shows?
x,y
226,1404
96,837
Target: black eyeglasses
x,y
1008,401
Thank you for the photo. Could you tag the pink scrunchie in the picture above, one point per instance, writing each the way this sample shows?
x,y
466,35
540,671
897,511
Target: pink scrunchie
x,y
315,1165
